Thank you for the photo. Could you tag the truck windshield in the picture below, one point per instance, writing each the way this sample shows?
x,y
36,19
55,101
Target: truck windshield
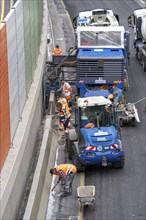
x,y
100,39
90,114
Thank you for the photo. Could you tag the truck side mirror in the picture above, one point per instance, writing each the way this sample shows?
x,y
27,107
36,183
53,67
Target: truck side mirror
x,y
74,21
131,21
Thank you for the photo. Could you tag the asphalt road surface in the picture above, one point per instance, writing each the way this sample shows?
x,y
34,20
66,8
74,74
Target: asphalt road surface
x,y
121,194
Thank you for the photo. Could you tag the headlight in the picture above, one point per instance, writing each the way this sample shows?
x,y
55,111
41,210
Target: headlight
x,y
99,148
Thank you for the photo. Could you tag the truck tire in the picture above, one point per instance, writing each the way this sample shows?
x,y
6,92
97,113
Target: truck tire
x,y
120,164
133,122
76,161
137,55
121,122
72,136
144,64
69,149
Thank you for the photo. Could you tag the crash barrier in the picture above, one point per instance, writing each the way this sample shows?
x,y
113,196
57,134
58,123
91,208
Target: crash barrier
x,y
15,170
51,105
38,184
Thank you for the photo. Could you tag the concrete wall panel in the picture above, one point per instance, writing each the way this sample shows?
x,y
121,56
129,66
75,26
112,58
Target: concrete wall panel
x,y
20,54
12,71
32,14
15,170
4,98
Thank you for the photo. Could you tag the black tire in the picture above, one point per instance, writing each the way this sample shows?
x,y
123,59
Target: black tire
x,y
133,122
144,64
76,161
137,55
69,149
121,122
120,164
72,136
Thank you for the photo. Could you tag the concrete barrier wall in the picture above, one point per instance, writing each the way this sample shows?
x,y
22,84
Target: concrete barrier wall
x,y
40,174
15,171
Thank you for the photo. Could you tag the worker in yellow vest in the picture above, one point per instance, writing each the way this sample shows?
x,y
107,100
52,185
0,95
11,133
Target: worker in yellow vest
x,y
66,173
64,113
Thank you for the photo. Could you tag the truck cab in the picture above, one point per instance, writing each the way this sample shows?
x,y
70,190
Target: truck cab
x,y
102,55
138,22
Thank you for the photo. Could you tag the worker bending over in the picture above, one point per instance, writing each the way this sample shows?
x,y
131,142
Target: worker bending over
x,y
64,113
67,92
66,173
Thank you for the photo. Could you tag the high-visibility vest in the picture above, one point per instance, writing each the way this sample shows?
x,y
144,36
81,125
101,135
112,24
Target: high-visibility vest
x,y
65,107
66,168
57,51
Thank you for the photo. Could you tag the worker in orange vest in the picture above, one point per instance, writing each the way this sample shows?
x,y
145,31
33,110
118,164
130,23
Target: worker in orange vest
x,y
65,115
67,92
57,51
66,173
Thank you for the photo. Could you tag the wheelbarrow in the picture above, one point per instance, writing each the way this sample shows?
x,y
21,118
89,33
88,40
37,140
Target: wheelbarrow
x,y
127,114
86,196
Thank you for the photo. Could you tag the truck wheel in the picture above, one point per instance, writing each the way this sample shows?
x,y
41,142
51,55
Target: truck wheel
x,y
69,148
121,122
76,161
133,122
72,136
144,64
137,55
120,164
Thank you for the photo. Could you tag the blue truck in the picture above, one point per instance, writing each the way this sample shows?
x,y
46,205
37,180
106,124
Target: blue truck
x,y
96,138
100,59
103,49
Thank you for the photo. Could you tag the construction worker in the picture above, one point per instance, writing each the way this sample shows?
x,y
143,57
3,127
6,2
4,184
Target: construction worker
x,y
66,173
65,115
67,92
57,51
117,94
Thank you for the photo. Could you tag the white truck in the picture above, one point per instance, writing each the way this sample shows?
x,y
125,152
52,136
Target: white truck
x,y
138,22
97,17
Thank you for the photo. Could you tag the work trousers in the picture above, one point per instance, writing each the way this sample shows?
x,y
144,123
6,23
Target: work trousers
x,y
68,182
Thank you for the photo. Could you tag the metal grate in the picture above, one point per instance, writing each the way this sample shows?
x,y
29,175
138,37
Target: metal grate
x,y
138,27
94,69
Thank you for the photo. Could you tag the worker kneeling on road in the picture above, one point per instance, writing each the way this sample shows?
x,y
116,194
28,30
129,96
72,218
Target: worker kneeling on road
x,y
64,113
66,173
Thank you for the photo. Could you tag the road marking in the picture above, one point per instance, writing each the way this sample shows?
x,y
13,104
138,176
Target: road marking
x,y
82,183
142,1
2,12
